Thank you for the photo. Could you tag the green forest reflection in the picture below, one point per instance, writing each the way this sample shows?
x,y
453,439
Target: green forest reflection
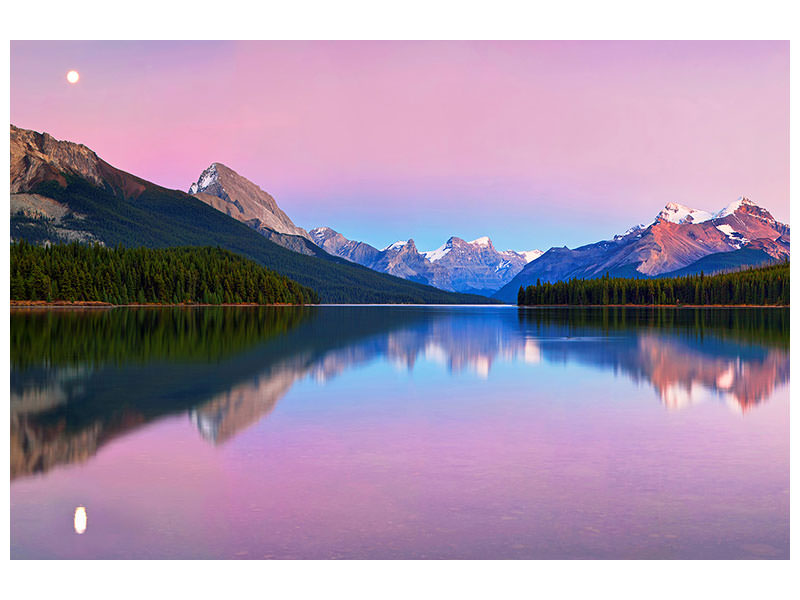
x,y
763,326
99,336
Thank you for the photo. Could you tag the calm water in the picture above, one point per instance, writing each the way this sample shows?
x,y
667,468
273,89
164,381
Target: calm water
x,y
400,432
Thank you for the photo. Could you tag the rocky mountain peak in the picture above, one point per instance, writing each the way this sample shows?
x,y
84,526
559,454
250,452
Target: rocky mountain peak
x,y
681,214
396,246
208,178
740,202
328,239
37,157
227,191
320,234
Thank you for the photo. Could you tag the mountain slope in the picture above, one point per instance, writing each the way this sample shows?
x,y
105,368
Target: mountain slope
x,y
723,261
458,265
224,189
335,243
102,203
678,238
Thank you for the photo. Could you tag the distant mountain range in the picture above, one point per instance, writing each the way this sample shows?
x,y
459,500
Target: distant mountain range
x,y
459,266
680,241
62,191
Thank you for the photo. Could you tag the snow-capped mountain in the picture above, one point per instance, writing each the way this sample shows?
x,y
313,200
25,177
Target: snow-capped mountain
x,y
477,265
530,255
457,265
680,214
680,240
238,197
335,243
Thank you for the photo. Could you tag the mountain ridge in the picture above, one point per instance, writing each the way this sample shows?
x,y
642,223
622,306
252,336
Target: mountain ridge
x,y
62,190
457,265
678,237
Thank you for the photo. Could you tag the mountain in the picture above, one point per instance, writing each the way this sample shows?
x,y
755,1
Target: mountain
x,y
458,265
62,191
741,234
477,265
335,243
723,261
227,191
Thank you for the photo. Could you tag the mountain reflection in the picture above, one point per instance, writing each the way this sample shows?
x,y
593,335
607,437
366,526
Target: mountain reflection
x,y
81,378
690,355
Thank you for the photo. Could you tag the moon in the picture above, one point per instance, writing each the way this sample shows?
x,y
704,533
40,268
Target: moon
x,y
73,76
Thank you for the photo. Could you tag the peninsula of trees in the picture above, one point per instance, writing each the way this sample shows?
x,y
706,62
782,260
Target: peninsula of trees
x,y
199,275
760,286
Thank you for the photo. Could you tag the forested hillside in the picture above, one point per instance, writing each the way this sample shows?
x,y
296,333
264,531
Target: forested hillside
x,y
160,218
76,272
767,285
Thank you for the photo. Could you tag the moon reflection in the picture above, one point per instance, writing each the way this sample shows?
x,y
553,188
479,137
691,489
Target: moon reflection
x,y
80,520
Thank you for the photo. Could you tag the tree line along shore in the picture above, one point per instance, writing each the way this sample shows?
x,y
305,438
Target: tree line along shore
x,y
759,286
94,275
78,274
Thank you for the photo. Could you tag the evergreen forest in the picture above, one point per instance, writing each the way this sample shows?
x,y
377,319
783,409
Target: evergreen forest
x,y
758,286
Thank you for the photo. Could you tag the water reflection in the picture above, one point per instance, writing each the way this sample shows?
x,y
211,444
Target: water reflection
x,y
737,356
82,378
80,520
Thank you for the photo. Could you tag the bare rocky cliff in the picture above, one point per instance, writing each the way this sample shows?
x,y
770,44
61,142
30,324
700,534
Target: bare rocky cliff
x,y
39,157
238,197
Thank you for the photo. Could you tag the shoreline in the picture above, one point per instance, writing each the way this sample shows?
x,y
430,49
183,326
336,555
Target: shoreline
x,y
99,304
652,305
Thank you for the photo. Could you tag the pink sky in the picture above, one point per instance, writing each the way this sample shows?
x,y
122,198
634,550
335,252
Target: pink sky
x,y
535,144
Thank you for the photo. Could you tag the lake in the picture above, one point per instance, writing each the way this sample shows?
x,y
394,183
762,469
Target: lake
x,y
406,432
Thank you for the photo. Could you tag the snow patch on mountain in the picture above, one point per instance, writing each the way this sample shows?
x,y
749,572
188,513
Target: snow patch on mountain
x,y
502,265
207,179
736,237
530,255
439,253
680,214
320,234
631,230
482,241
396,246
726,229
731,208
